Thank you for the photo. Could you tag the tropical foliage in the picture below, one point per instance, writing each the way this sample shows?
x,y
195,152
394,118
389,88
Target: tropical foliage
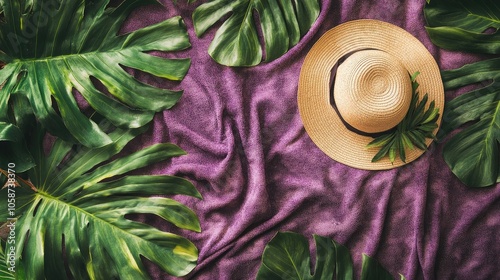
x,y
418,124
52,48
12,134
5,274
287,257
470,26
73,212
236,43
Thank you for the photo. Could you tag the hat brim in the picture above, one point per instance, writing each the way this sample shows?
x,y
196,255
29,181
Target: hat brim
x,y
321,120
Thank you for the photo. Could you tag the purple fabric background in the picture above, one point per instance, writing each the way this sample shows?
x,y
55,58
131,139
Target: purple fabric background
x,y
260,173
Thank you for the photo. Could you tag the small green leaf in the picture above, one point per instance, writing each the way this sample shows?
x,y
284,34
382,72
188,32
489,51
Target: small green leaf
x,y
401,148
430,113
418,139
413,78
406,141
427,127
392,150
380,141
418,118
384,150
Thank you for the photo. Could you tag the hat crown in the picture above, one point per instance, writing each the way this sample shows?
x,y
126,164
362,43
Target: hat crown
x,y
372,91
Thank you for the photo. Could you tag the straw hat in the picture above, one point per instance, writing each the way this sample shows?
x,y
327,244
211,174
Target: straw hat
x,y
372,89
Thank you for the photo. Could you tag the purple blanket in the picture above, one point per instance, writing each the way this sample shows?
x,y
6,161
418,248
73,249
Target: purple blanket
x,y
260,173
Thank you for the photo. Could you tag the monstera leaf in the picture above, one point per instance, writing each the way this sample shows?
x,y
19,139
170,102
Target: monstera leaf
x,y
52,48
287,257
236,43
13,147
12,135
462,25
72,213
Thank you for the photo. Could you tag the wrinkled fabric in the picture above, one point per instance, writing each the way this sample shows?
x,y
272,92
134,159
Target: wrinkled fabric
x,y
260,173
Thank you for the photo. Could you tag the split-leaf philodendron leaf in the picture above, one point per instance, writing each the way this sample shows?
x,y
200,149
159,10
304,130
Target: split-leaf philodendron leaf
x,y
72,213
287,257
13,147
236,43
463,25
52,47
12,135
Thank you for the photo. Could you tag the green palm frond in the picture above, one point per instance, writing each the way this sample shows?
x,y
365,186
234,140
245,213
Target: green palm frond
x,y
418,124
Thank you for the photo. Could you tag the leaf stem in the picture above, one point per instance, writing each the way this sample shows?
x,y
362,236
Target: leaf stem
x,y
16,183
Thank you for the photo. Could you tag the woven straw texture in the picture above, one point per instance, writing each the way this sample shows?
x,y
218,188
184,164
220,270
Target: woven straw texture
x,y
373,91
373,80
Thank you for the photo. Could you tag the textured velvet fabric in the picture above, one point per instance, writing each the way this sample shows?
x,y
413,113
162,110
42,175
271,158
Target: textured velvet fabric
x,y
260,173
